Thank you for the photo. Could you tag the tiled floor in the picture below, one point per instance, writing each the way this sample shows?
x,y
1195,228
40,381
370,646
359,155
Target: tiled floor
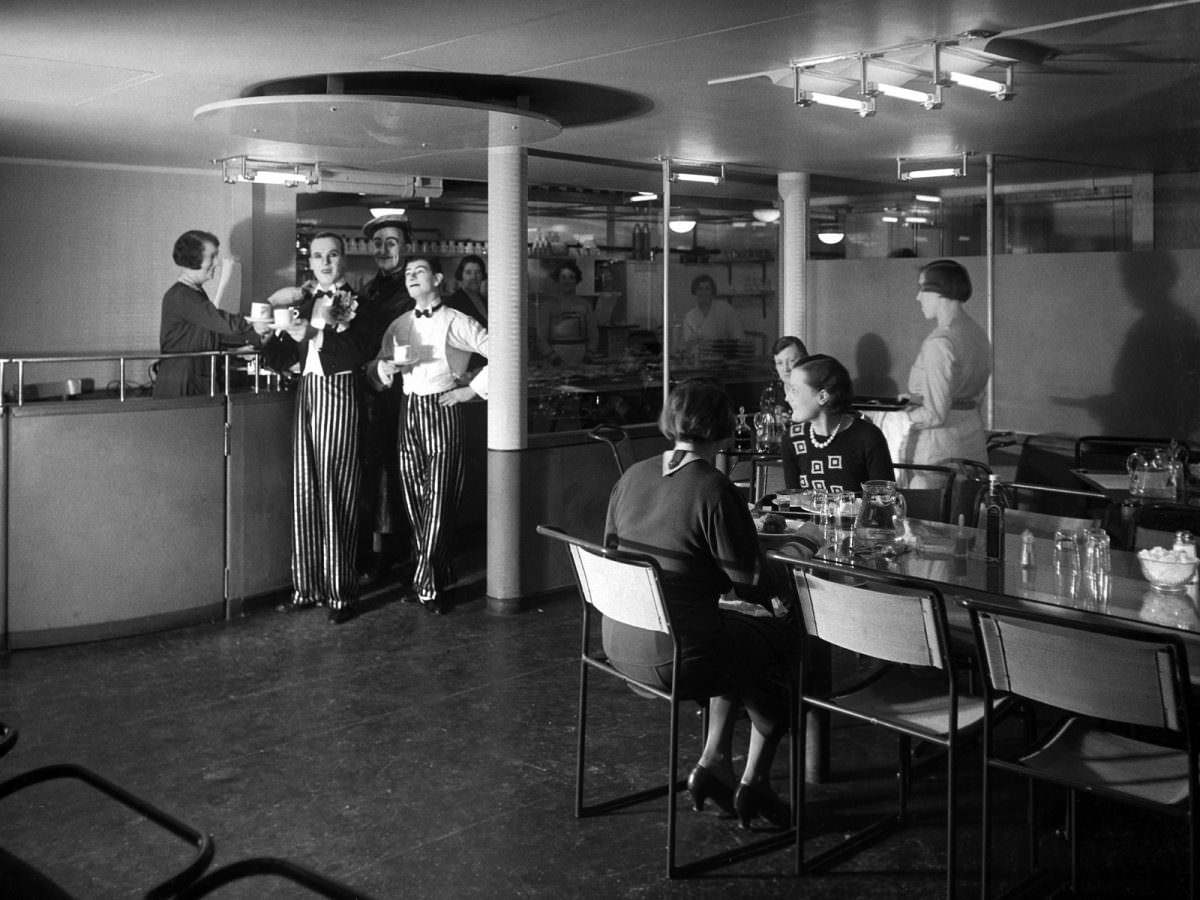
x,y
432,757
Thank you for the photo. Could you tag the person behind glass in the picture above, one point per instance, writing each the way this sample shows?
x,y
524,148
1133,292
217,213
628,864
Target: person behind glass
x,y
190,322
787,353
441,341
385,297
329,341
947,381
566,324
679,509
710,319
470,296
828,446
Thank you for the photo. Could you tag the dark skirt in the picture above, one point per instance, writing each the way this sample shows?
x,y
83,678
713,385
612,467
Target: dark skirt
x,y
747,654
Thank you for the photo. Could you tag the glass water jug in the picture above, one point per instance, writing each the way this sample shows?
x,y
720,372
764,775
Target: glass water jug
x,y
880,516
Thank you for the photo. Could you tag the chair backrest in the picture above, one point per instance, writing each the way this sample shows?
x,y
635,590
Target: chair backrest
x,y
1109,451
1118,673
928,490
766,477
969,487
618,441
1044,509
625,587
885,617
1155,524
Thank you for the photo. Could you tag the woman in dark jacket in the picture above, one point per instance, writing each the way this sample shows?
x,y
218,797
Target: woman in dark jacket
x,y
682,511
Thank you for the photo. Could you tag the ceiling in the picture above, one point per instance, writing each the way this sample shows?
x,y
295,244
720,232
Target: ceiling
x,y
118,81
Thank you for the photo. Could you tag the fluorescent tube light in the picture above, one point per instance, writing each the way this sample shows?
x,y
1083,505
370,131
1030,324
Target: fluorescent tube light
x,y
889,218
997,89
698,178
377,211
926,99
643,197
945,172
863,107
916,220
927,198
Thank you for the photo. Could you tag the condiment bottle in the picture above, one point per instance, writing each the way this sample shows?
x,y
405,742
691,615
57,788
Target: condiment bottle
x,y
1028,560
993,517
1186,541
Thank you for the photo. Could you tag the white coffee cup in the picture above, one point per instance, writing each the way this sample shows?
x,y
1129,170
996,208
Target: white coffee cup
x,y
260,312
402,354
284,316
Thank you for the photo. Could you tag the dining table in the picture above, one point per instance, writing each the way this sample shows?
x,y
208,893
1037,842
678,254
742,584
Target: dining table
x,y
928,556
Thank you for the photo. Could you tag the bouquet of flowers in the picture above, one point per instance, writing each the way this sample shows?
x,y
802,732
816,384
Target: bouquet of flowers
x,y
343,306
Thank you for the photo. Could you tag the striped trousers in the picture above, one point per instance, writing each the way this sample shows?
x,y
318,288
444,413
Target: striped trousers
x,y
431,469
326,474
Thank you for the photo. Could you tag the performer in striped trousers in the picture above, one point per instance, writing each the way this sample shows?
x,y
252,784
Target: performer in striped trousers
x,y
328,342
431,347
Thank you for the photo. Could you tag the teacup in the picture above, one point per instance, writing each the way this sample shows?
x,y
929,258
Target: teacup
x,y
260,312
403,354
284,316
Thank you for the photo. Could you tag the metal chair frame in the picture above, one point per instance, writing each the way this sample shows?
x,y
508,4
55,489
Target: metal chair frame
x,y
618,442
945,494
1128,659
251,867
201,841
920,610
594,660
1110,445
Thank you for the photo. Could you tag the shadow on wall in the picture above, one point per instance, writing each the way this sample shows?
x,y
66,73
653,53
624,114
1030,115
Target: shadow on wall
x,y
1156,371
873,365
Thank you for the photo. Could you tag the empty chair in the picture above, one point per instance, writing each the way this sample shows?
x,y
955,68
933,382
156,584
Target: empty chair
x,y
900,622
13,870
766,477
1155,524
1043,509
1093,674
618,442
266,867
928,490
970,484
627,588
1108,452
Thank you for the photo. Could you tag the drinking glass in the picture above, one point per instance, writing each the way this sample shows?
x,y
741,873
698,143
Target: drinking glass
x,y
844,515
1066,551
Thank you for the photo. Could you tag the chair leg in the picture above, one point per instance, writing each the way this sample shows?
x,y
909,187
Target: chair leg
x,y
798,791
672,774
1073,837
580,735
904,774
951,818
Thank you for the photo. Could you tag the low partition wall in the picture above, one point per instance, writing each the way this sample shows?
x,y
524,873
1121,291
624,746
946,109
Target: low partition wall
x,y
115,518
562,480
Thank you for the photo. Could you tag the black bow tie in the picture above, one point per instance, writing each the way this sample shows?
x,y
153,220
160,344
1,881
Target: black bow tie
x,y
427,312
320,294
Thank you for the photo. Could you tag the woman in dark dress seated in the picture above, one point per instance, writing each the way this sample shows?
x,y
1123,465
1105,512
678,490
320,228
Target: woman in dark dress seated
x,y
679,509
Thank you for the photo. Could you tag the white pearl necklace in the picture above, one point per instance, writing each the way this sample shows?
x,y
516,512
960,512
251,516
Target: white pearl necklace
x,y
821,445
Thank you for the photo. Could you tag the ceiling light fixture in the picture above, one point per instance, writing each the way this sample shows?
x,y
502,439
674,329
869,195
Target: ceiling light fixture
x,y
698,173
377,211
927,198
830,235
909,168
999,90
767,216
926,99
236,169
863,103
643,197
916,220
683,221
889,218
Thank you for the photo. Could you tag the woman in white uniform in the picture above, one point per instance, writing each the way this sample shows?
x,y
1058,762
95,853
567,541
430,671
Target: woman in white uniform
x,y
947,382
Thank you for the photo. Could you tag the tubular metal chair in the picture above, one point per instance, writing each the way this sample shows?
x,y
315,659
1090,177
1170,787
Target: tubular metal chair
x,y
618,441
1043,509
1109,451
1092,674
766,477
1155,524
256,866
970,484
167,888
928,490
626,587
903,623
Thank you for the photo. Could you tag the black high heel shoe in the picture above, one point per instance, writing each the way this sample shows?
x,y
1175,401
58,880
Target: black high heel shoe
x,y
751,801
702,784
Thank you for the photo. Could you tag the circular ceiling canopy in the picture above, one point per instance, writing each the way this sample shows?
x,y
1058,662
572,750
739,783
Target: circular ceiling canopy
x,y
402,123
416,112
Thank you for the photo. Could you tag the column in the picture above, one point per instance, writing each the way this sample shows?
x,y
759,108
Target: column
x,y
507,429
793,277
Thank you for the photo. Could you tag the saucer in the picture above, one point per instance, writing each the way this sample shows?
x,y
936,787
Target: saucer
x,y
252,321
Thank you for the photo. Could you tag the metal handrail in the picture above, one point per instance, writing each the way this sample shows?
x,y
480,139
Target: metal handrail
x,y
21,361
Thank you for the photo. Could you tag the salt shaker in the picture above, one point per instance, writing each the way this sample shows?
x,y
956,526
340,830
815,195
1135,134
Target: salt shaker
x,y
1028,559
1186,541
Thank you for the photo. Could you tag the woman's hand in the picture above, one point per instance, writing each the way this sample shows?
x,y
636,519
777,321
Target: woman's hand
x,y
300,330
457,396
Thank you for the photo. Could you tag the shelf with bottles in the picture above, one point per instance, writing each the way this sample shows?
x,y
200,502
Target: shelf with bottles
x,y
357,244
